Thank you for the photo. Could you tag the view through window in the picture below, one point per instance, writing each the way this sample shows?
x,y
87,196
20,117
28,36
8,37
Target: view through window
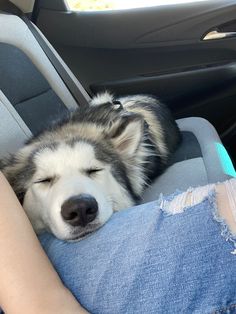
x,y
85,5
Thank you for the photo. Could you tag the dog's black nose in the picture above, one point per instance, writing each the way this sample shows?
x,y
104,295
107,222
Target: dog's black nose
x,y
79,210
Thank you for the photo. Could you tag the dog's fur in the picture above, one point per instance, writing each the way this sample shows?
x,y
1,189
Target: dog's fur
x,y
110,150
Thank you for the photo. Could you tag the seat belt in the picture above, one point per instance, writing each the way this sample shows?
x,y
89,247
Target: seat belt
x,y
76,89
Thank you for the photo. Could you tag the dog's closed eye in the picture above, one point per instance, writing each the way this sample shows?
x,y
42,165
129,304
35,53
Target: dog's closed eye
x,y
45,180
93,171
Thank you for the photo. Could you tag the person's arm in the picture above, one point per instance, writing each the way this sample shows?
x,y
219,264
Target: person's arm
x,y
28,284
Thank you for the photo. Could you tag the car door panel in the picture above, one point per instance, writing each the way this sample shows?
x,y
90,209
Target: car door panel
x,y
135,28
157,50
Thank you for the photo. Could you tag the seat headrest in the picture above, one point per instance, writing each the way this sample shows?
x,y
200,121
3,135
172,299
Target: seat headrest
x,y
25,5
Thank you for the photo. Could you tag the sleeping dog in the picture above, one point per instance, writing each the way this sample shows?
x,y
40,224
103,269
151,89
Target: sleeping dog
x,y
71,177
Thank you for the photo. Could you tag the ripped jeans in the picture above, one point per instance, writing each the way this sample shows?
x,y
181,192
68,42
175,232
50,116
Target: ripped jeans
x,y
174,255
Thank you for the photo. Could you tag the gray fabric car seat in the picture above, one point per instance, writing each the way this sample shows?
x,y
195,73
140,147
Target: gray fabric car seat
x,y
198,161
32,94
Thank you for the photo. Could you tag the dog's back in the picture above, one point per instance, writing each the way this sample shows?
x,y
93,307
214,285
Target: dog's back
x,y
161,134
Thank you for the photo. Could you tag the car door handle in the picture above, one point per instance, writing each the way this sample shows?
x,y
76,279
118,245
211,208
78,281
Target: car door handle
x,y
212,35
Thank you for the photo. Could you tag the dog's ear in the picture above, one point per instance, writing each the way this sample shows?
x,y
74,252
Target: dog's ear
x,y
126,134
1,164
18,171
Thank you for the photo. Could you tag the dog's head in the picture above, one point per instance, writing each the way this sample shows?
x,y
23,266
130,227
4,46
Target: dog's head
x,y
70,182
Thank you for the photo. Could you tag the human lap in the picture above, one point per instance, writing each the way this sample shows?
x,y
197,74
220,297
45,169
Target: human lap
x,y
174,255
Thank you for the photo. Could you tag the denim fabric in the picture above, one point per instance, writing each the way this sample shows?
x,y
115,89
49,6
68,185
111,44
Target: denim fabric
x,y
145,261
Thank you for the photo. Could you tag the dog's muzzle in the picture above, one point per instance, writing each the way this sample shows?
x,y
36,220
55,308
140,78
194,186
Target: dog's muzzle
x,y
79,210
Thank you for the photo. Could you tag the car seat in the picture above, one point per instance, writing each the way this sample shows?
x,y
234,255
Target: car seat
x,y
32,94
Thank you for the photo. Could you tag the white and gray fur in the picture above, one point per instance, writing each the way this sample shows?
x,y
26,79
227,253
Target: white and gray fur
x,y
110,150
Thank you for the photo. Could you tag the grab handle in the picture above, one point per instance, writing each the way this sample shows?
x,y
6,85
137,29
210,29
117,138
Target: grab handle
x,y
212,35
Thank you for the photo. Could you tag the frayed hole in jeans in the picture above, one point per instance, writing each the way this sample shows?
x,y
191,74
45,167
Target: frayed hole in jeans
x,y
182,201
222,197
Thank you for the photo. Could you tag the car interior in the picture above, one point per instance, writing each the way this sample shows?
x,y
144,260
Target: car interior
x,y
53,59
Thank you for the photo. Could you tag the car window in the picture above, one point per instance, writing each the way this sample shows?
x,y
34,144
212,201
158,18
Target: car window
x,y
87,5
